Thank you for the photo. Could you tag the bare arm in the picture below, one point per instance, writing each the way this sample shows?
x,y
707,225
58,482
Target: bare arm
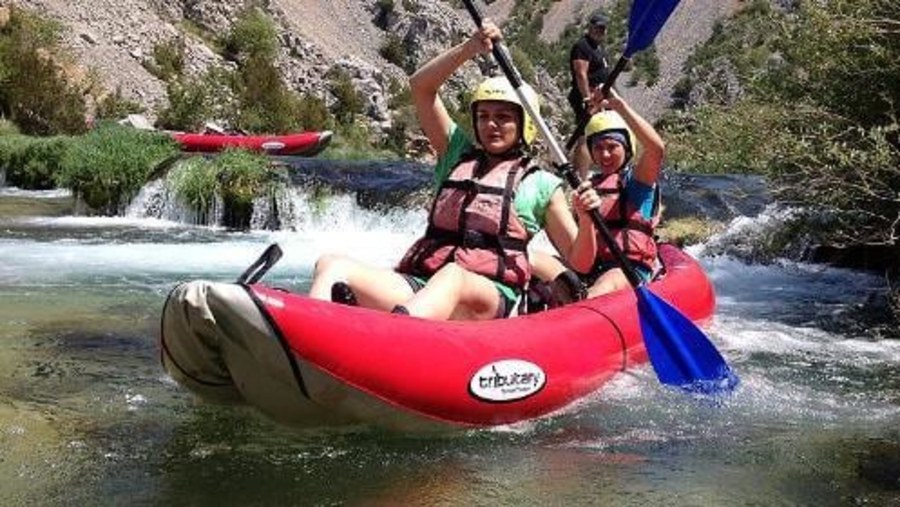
x,y
426,82
576,242
653,149
580,68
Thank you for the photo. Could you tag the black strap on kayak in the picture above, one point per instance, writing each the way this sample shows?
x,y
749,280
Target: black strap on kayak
x,y
619,334
285,346
261,266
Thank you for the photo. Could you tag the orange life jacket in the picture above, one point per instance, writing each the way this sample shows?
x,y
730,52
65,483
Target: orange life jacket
x,y
473,223
630,229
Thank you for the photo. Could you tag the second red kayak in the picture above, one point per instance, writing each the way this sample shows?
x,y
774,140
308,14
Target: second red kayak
x,y
302,143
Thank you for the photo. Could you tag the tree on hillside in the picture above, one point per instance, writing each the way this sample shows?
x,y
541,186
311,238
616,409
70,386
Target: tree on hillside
x,y
807,96
34,91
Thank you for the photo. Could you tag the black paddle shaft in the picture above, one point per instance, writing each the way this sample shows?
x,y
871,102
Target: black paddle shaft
x,y
500,52
562,163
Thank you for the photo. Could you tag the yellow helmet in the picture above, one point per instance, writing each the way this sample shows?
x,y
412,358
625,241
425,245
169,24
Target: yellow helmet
x,y
609,122
499,89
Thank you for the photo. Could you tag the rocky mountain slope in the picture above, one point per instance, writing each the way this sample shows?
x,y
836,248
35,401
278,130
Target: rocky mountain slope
x,y
114,38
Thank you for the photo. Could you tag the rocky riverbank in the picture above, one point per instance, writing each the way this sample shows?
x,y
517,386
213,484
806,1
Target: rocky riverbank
x,y
113,41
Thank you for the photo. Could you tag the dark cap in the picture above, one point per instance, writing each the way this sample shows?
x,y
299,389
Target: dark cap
x,y
598,19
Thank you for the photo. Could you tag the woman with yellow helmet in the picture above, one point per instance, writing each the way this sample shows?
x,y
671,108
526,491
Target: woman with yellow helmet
x,y
472,262
625,179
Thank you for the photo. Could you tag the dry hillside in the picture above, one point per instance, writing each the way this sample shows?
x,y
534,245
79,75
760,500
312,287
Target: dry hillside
x,y
114,37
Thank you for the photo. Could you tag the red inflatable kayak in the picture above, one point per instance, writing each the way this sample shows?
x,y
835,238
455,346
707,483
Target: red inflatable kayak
x,y
309,362
303,143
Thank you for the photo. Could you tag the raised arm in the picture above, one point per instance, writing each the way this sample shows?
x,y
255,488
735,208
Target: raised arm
x,y
426,82
653,149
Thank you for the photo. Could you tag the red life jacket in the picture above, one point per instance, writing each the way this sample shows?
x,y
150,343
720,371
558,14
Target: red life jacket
x,y
473,223
630,229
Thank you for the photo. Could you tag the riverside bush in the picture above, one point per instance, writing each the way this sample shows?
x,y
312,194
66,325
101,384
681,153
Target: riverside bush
x,y
194,101
195,182
802,117
242,176
36,162
108,166
7,127
11,148
238,176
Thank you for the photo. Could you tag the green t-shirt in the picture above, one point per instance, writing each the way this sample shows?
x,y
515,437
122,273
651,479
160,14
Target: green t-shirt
x,y
532,196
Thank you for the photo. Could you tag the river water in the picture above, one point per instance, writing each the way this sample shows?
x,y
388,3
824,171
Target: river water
x,y
88,417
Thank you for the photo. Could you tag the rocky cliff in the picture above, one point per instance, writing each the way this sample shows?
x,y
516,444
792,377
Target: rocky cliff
x,y
115,38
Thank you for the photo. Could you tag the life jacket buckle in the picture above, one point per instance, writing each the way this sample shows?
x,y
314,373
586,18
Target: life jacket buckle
x,y
472,239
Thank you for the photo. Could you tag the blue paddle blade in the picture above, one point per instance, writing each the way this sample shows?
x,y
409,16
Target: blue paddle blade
x,y
679,351
646,19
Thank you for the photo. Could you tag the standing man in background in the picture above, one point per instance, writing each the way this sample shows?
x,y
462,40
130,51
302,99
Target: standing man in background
x,y
589,68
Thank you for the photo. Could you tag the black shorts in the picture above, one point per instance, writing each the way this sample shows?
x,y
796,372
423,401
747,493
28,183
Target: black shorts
x,y
581,113
643,272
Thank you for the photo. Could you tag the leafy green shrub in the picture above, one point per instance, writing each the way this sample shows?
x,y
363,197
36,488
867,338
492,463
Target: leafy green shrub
x,y
804,120
195,182
7,128
349,104
36,165
392,50
35,93
523,62
252,36
109,165
265,103
385,5
189,105
404,118
412,6
12,148
168,59
646,67
312,113
242,176
718,139
194,101
253,98
115,106
353,141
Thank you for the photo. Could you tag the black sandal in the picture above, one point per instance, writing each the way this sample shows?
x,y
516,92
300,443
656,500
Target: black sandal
x,y
341,293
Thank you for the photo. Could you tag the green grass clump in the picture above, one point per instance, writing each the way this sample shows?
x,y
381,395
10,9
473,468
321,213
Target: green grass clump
x,y
108,166
195,183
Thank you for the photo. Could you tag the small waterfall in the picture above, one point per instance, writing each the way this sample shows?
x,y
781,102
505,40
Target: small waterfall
x,y
290,208
156,200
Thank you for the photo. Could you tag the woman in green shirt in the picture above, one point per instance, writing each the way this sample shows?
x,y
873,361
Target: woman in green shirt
x,y
472,262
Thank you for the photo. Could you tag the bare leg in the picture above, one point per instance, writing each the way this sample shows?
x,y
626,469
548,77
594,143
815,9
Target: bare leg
x,y
611,281
376,288
455,293
545,266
